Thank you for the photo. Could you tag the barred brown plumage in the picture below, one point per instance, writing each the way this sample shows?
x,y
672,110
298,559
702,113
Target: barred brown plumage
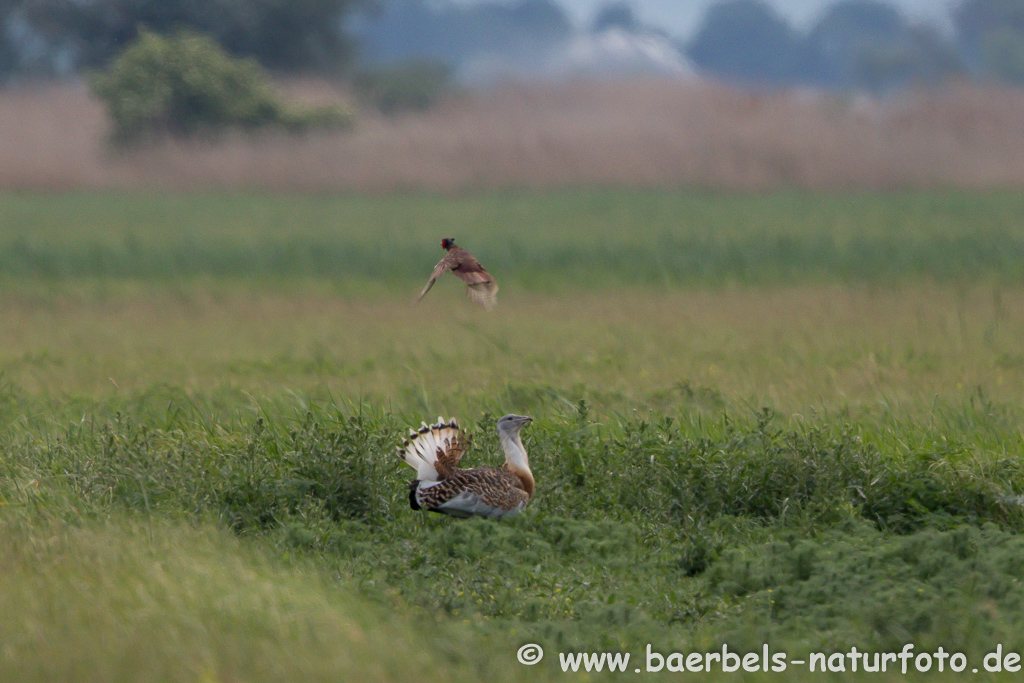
x,y
441,486
480,286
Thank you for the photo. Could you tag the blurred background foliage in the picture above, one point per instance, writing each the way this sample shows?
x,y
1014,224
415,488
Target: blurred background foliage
x,y
401,55
853,44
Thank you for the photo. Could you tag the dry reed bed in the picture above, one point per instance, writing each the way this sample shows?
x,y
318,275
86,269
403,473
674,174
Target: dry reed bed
x,y
624,133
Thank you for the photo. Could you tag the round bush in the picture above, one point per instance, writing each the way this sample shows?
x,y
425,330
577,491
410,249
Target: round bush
x,y
186,84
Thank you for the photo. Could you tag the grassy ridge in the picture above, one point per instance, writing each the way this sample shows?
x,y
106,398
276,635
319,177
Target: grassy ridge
x,y
533,240
149,600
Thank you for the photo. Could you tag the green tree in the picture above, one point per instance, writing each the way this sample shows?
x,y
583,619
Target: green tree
x,y
415,85
541,18
974,19
185,84
615,15
280,34
8,55
454,33
747,40
1003,53
991,33
868,44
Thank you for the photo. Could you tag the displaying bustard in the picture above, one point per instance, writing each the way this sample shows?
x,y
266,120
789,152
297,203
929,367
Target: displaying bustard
x,y
442,486
480,286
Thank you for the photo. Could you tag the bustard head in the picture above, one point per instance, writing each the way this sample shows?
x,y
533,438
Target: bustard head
x,y
509,426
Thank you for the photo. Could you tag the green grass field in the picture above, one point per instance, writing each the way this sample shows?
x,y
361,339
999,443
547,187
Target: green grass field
x,y
786,419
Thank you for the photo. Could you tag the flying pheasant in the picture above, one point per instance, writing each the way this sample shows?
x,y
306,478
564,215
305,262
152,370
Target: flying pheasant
x,y
480,286
441,486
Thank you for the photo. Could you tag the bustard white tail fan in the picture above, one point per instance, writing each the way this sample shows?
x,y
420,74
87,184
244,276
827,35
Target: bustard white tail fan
x,y
441,486
423,446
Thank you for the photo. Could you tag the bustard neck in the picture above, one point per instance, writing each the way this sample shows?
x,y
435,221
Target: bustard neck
x,y
516,460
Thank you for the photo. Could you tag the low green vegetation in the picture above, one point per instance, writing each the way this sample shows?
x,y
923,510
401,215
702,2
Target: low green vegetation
x,y
540,240
686,534
197,455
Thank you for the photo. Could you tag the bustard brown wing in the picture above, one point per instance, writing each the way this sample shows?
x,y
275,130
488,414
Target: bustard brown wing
x,y
482,491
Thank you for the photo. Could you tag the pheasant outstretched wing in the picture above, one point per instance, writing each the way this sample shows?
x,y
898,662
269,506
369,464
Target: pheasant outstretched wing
x,y
449,261
481,286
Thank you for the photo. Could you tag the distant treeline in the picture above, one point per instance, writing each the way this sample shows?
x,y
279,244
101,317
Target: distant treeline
x,y
854,44
61,37
864,44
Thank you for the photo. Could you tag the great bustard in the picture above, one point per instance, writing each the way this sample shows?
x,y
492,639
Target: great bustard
x,y
441,486
481,287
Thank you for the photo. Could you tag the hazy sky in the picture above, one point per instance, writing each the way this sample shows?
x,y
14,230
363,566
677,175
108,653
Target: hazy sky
x,y
682,17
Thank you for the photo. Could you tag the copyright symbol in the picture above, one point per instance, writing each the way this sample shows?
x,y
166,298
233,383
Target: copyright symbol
x,y
530,654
